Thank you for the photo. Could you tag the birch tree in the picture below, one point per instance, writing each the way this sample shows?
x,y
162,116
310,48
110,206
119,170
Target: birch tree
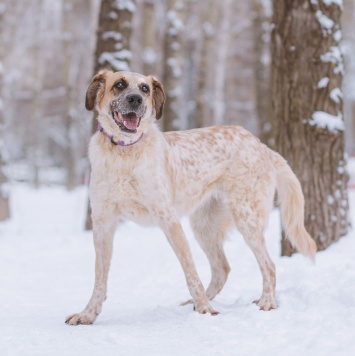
x,y
307,71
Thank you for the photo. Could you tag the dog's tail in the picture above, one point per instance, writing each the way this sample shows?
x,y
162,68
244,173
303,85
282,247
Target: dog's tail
x,y
292,207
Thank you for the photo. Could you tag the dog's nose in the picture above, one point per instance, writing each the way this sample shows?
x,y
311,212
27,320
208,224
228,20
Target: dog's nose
x,y
134,100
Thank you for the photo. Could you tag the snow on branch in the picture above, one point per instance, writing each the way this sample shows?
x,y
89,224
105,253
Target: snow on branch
x,y
324,120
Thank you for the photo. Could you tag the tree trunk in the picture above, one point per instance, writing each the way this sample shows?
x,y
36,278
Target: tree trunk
x,y
4,198
262,27
204,102
223,42
112,46
70,79
144,42
349,78
173,67
306,78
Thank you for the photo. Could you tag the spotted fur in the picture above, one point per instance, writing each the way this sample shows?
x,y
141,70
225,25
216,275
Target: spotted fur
x,y
220,176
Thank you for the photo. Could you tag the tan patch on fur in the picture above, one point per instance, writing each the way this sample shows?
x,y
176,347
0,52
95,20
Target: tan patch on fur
x,y
221,176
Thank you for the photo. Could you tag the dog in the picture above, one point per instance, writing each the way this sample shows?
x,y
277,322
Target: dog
x,y
221,176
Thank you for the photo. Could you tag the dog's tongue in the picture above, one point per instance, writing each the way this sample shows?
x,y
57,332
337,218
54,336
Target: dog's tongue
x,y
130,121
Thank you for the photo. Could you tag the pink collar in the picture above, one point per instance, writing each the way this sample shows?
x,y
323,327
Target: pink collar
x,y
119,143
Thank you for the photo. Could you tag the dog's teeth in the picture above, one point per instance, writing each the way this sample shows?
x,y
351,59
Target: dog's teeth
x,y
125,123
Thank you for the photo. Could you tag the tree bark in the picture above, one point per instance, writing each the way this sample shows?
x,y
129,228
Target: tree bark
x,y
70,78
223,42
203,115
173,67
112,47
307,109
145,42
262,65
349,78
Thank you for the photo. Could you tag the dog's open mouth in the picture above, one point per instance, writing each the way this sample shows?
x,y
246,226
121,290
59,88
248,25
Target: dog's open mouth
x,y
127,122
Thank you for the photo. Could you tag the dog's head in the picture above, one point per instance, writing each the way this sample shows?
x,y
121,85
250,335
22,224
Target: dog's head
x,y
127,103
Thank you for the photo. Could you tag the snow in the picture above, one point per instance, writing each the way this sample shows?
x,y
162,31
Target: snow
x,y
341,170
325,22
337,35
176,25
336,95
324,120
174,64
47,271
334,56
336,2
323,83
267,6
113,15
117,60
116,36
128,5
149,55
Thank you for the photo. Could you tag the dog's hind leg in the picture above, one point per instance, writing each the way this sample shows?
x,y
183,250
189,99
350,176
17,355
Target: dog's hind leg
x,y
103,240
251,216
210,223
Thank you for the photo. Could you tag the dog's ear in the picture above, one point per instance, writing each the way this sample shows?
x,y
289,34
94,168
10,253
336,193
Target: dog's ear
x,y
158,97
97,83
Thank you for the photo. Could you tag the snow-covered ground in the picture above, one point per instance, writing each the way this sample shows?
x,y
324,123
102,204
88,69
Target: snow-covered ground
x,y
47,271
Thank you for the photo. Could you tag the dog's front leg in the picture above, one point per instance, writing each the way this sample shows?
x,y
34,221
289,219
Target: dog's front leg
x,y
103,241
177,240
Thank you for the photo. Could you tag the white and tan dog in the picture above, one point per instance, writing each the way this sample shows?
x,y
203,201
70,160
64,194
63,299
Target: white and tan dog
x,y
221,176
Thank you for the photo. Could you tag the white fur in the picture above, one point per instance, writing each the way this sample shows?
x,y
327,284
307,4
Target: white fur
x,y
220,176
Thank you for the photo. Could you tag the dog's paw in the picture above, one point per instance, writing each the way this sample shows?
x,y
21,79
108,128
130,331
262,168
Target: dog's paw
x,y
205,309
202,309
80,319
266,303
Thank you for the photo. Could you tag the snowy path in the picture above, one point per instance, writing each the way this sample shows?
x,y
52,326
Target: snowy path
x,y
47,270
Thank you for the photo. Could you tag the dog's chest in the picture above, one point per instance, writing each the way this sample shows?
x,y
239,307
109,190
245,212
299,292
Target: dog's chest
x,y
134,190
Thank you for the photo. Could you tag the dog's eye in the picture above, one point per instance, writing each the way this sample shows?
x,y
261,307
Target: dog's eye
x,y
120,85
145,88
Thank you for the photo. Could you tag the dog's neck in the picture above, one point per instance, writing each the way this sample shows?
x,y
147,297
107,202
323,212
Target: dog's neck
x,y
117,143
